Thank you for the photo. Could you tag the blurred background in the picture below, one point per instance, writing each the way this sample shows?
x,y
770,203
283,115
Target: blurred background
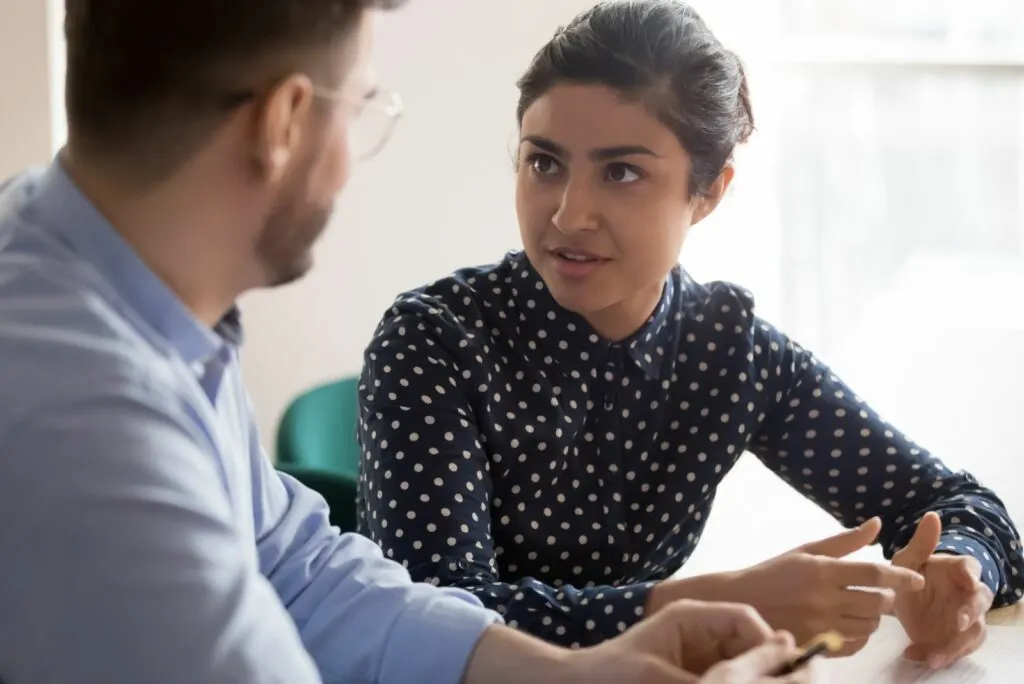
x,y
877,213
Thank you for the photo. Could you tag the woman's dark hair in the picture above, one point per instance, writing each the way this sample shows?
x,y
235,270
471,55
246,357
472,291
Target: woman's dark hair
x,y
661,53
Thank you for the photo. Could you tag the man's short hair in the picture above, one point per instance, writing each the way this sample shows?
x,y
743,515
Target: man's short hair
x,y
149,80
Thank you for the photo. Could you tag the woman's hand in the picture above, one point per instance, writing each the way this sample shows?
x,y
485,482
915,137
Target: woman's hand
x,y
945,621
811,589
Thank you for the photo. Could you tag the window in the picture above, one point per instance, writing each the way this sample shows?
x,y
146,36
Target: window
x,y
884,198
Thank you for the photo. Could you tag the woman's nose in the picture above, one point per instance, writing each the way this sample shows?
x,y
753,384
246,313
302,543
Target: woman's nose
x,y
577,210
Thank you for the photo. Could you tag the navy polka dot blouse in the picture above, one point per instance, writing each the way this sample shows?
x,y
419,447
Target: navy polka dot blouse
x,y
509,450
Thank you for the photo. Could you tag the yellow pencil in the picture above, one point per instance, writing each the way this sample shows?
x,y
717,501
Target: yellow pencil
x,y
830,641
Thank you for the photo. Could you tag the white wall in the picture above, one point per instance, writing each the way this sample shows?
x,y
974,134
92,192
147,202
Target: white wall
x,y
25,107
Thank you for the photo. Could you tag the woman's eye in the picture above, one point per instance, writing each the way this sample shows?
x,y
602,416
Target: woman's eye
x,y
543,165
622,173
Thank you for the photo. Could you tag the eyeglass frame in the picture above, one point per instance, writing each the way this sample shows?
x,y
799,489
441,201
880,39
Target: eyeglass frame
x,y
391,108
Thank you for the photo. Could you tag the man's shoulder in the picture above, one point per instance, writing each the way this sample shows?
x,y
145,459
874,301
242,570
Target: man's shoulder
x,y
63,335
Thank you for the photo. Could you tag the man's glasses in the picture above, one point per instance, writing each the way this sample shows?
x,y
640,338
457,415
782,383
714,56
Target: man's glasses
x,y
373,124
375,119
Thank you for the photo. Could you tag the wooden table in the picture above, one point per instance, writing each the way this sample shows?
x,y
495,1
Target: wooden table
x,y
1012,616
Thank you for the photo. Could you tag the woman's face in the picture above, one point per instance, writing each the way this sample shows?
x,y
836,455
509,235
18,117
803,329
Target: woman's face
x,y
603,203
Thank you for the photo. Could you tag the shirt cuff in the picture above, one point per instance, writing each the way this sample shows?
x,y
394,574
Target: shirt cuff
x,y
435,636
961,544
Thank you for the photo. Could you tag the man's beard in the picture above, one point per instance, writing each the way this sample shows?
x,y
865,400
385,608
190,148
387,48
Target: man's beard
x,y
285,246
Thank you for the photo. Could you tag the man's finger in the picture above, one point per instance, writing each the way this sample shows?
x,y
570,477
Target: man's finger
x,y
846,542
660,672
875,575
724,619
805,675
760,661
922,544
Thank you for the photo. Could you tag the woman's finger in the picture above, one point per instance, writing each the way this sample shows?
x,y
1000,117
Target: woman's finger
x,y
856,628
960,646
862,603
875,575
975,607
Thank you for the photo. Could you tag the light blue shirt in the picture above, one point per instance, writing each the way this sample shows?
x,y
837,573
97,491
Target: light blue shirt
x,y
145,538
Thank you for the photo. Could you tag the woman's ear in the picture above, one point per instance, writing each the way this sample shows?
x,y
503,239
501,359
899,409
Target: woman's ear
x,y
709,200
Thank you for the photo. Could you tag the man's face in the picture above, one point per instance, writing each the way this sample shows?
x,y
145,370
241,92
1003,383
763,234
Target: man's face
x,y
322,163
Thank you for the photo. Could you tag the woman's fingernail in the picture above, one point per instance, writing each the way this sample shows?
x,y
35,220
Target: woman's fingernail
x,y
963,621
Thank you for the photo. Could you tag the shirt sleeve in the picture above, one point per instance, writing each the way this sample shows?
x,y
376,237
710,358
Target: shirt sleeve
x,y
359,614
132,564
426,492
827,443
120,542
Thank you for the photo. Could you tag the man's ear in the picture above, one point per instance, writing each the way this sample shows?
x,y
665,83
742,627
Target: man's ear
x,y
707,202
282,121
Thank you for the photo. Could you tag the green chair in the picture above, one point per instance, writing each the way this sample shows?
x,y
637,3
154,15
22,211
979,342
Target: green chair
x,y
317,445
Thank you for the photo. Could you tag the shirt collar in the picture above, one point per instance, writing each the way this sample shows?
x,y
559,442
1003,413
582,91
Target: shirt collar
x,y
61,209
575,345
651,346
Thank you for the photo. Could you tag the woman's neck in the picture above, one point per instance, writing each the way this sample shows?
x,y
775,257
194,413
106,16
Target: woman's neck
x,y
624,318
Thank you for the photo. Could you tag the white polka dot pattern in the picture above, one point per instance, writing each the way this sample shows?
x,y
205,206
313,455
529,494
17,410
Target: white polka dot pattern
x,y
510,451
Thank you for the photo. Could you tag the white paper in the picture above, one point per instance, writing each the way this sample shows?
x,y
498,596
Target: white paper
x,y
999,661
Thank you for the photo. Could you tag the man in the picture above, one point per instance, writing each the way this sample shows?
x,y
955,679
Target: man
x,y
146,538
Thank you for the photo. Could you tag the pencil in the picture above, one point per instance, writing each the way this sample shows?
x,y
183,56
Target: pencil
x,y
830,641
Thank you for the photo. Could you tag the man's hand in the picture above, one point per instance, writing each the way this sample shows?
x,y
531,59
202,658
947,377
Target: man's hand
x,y
811,589
693,642
946,620
687,642
757,665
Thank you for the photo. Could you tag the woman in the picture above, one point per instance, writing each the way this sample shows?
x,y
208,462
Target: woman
x,y
549,431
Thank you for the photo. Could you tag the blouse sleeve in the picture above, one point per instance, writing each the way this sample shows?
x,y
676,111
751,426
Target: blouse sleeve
x,y
826,442
426,490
